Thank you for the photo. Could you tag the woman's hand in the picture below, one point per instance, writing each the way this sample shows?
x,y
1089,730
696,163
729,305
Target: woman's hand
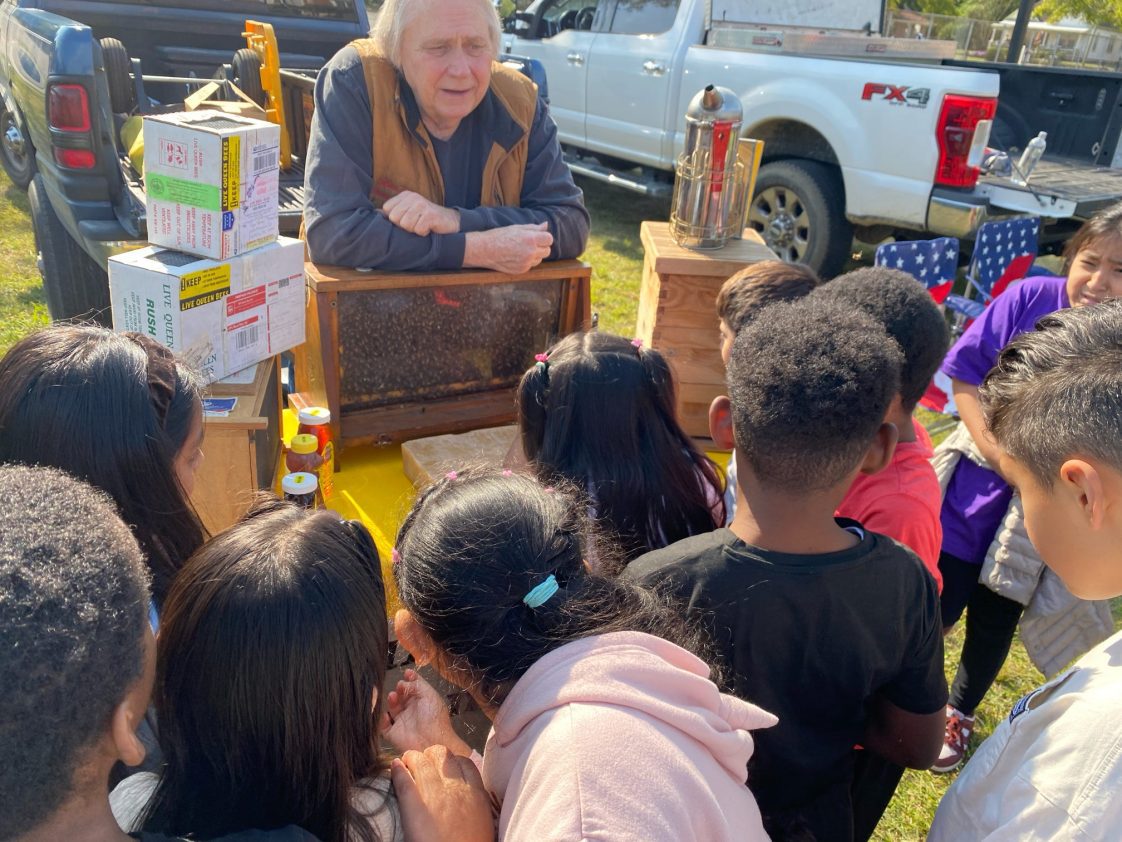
x,y
441,797
417,717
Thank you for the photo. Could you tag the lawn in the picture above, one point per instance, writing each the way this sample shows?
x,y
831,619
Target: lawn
x,y
616,256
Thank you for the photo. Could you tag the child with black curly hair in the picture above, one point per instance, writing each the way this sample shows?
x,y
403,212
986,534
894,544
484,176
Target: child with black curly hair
x,y
833,628
78,660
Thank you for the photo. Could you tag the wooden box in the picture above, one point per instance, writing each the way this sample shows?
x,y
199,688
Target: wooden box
x,y
398,356
240,451
678,313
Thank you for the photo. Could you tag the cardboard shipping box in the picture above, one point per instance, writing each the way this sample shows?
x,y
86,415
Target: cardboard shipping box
x,y
211,181
221,316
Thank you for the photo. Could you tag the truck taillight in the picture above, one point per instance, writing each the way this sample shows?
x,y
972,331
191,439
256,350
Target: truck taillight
x,y
954,133
68,108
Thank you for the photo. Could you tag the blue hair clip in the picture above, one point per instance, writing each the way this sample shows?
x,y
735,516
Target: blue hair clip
x,y
541,594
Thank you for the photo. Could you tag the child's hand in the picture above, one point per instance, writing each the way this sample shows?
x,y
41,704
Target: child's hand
x,y
441,796
417,717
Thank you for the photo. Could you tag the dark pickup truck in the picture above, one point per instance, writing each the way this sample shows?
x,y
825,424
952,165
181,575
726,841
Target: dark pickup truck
x,y
65,98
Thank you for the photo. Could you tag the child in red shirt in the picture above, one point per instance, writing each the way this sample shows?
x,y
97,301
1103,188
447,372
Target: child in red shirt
x,y
903,500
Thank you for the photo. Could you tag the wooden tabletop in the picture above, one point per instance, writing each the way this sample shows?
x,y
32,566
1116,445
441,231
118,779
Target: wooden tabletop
x,y
325,278
672,259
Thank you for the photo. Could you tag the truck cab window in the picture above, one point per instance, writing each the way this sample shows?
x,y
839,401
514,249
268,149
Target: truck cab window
x,y
566,14
329,9
643,17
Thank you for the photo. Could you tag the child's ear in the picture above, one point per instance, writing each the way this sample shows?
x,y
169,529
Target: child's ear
x,y
1084,483
881,450
128,715
720,423
413,637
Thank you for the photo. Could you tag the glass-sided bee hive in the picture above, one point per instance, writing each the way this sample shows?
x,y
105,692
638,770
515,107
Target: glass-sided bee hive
x,y
400,356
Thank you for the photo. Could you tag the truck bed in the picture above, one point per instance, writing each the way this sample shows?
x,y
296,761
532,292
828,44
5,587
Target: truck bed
x,y
1084,188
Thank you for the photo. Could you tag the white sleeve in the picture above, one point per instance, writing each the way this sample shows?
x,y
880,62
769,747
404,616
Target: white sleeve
x,y
129,798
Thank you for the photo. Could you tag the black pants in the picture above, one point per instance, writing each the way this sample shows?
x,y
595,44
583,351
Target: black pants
x,y
991,622
874,783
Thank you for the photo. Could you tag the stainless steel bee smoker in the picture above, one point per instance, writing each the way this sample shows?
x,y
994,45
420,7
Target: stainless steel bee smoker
x,y
713,175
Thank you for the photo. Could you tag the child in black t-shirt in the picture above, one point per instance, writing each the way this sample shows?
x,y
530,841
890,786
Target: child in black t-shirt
x,y
833,628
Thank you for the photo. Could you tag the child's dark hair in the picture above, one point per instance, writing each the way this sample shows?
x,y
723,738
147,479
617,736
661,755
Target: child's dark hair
x,y
114,410
751,289
1104,224
74,610
810,385
272,644
475,545
600,414
907,312
1056,392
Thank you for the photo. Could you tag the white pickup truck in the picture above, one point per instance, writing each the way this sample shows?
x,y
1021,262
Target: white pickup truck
x,y
864,135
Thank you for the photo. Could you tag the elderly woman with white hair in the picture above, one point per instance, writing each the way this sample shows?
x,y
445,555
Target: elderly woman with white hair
x,y
425,153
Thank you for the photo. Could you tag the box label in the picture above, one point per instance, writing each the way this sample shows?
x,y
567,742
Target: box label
x,y
181,191
203,287
231,172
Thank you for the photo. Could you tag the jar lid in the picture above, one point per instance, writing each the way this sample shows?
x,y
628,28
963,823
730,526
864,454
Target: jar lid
x,y
314,415
304,443
300,482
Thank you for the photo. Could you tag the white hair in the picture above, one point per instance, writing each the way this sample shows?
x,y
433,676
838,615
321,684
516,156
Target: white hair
x,y
396,15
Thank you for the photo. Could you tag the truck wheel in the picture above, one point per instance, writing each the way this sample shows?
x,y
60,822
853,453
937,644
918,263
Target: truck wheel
x,y
122,94
17,155
75,286
799,210
247,75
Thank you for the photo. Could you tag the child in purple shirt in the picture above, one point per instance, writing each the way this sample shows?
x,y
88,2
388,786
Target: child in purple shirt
x,y
977,497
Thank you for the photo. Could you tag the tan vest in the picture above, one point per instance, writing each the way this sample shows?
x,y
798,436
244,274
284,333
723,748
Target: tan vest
x,y
402,163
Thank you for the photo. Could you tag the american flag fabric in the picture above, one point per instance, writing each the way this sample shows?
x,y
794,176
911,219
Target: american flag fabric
x,y
931,262
1003,253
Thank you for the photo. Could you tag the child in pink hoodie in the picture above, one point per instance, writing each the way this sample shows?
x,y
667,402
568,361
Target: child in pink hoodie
x,y
605,722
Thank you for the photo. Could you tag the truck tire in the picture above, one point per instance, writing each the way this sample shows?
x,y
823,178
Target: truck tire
x,y
247,75
17,155
122,93
75,286
799,210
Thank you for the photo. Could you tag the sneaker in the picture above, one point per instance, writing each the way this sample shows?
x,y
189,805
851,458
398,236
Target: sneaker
x,y
955,740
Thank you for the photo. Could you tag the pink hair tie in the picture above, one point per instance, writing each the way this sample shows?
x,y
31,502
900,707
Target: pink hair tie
x,y
541,358
396,556
508,472
637,343
451,475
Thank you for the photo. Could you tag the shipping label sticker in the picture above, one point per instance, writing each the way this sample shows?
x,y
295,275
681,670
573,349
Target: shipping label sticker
x,y
286,313
168,188
231,172
264,158
246,328
203,287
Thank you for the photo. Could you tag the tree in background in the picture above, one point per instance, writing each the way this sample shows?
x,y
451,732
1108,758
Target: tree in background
x,y
932,7
1098,12
988,9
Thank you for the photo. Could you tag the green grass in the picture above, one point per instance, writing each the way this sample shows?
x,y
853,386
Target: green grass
x,y
22,306
615,253
616,256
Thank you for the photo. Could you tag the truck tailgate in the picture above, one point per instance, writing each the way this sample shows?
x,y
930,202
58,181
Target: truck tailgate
x,y
290,201
1058,187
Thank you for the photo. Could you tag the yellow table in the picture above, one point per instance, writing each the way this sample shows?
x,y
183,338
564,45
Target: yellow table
x,y
371,486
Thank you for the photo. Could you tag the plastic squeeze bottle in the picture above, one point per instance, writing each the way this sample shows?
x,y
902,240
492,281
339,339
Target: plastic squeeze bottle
x,y
1030,158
